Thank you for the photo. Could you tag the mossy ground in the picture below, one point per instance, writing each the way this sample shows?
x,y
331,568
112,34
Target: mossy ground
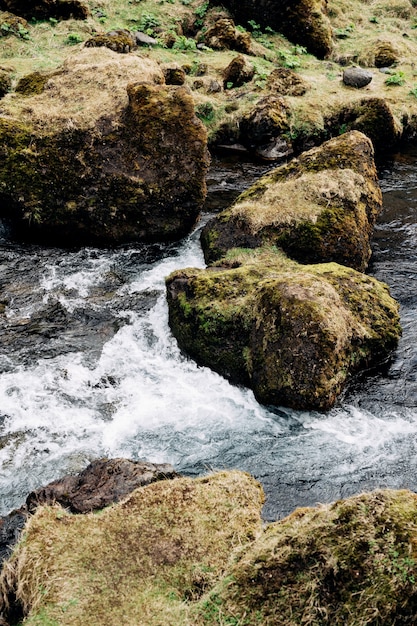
x,y
357,27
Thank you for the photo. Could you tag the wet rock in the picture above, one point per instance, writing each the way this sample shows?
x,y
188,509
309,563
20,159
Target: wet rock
x,y
103,482
319,207
302,21
237,73
44,9
357,77
174,74
294,334
118,163
374,118
224,36
286,82
265,129
117,40
11,526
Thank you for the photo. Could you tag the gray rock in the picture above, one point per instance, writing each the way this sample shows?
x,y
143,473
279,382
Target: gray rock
x,y
357,77
142,39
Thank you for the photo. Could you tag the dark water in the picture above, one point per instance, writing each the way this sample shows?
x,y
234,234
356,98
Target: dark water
x,y
88,368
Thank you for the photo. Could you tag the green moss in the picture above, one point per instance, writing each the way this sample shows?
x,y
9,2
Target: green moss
x,y
32,84
349,563
293,333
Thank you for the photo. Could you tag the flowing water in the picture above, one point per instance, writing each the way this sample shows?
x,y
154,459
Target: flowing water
x,y
88,368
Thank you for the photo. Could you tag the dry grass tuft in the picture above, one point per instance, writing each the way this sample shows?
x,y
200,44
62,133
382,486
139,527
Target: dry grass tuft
x,y
139,562
91,84
293,201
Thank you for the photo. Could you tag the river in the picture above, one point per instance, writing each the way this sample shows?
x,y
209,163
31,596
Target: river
x,y
88,368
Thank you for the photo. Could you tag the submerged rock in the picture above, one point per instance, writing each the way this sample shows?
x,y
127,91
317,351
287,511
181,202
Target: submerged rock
x,y
294,334
319,207
143,561
118,162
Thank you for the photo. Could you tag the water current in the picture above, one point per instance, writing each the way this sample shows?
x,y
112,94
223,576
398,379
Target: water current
x,y
88,368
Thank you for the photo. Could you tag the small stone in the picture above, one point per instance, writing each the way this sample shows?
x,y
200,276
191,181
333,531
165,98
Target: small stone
x,y
357,77
142,39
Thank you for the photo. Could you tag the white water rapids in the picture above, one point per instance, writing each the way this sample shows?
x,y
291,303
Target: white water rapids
x,y
108,379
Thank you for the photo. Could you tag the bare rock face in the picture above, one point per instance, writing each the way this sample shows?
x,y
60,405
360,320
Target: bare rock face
x,y
112,163
103,482
293,333
44,9
318,208
302,21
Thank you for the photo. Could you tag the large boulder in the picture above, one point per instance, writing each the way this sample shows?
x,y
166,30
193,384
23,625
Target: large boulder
x,y
349,563
294,334
44,9
373,117
142,561
101,483
302,21
121,158
319,207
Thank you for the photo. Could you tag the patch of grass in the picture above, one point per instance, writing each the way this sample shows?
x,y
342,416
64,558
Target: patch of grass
x,y
396,79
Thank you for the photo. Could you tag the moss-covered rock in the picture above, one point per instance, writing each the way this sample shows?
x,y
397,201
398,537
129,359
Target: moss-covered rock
x,y
108,166
292,333
302,21
374,118
143,561
117,40
351,563
32,84
5,82
285,82
319,207
11,24
44,9
223,35
265,129
237,73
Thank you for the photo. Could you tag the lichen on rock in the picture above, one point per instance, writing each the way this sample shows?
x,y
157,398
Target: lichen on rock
x,y
319,207
294,334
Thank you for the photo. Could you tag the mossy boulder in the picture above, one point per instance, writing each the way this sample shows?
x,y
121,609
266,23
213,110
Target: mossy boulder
x,y
350,563
32,84
117,40
5,82
116,163
265,129
385,54
223,35
319,207
294,334
11,24
44,9
374,118
143,561
302,21
237,73
285,82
